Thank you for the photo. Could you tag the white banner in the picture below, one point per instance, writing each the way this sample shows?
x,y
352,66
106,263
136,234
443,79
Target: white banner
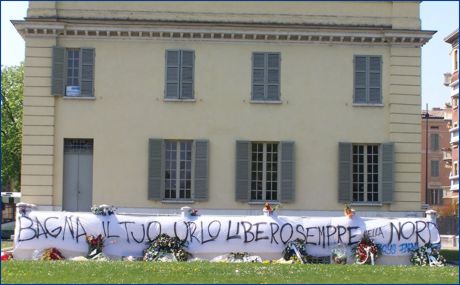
x,y
210,236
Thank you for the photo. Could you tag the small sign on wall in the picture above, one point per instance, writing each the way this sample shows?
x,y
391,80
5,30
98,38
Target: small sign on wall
x,y
72,91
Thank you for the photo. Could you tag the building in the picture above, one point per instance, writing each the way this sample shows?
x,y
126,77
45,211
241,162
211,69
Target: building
x,y
435,142
222,106
451,80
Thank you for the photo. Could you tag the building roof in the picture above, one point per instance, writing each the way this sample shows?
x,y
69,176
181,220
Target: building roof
x,y
435,113
452,38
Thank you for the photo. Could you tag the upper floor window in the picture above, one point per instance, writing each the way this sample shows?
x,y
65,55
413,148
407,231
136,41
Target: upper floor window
x,y
73,72
435,196
368,80
434,168
180,74
434,138
265,76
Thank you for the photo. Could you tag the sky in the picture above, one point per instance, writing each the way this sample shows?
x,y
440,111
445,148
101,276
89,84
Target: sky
x,y
441,16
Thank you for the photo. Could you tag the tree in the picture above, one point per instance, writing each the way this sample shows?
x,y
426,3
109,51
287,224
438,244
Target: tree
x,y
11,103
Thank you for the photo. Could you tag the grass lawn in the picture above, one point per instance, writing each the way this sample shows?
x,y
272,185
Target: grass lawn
x,y
205,272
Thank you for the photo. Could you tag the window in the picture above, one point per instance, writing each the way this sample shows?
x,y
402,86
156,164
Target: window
x,y
264,171
73,72
178,170
434,138
434,168
179,74
455,169
265,76
365,173
435,197
368,80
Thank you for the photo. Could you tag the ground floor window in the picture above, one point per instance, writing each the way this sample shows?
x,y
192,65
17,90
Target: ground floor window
x,y
264,171
435,196
365,173
178,169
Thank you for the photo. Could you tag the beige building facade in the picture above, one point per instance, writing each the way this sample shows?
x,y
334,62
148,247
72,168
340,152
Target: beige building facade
x,y
223,106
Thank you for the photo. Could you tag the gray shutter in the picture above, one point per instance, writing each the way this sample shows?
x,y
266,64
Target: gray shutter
x,y
287,172
172,74
242,171
345,172
360,79
87,72
201,170
375,80
273,77
187,74
155,183
258,76
434,141
387,172
58,72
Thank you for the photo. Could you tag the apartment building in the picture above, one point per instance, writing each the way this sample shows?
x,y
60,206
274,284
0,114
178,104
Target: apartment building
x,y
222,106
435,182
451,80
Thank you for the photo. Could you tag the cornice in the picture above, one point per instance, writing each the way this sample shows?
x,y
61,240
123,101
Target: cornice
x,y
273,33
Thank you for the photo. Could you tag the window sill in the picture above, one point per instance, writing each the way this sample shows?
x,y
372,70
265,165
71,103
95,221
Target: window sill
x,y
263,202
79,98
367,105
375,204
266,102
177,201
179,100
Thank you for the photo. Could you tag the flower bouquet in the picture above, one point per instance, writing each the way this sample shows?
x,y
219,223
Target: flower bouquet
x,y
52,254
367,251
165,245
95,246
104,210
427,255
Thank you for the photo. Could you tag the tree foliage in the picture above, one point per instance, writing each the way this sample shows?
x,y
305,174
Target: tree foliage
x,y
11,103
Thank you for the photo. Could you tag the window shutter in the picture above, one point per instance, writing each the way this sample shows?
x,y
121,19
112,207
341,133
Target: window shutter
x,y
201,170
172,74
287,172
58,72
155,183
360,81
273,77
375,79
87,71
387,172
258,76
344,172
187,74
242,171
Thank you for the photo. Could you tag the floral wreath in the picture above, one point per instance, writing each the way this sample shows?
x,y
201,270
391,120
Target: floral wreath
x,y
295,250
367,251
163,245
339,254
427,255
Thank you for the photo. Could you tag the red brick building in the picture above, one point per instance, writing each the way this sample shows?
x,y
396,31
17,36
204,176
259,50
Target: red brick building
x,y
435,181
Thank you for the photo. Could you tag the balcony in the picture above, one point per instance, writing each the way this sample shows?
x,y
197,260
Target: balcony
x,y
454,135
447,154
453,183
